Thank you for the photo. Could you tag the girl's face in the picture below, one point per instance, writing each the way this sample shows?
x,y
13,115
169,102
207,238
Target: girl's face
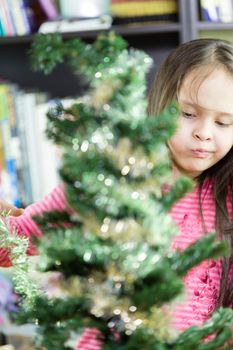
x,y
205,127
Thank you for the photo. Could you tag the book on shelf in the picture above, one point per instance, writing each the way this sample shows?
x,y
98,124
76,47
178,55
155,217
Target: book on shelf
x,y
19,17
225,8
7,18
41,161
22,17
84,9
23,163
217,10
50,8
44,155
209,11
35,14
9,181
128,11
3,21
28,160
76,24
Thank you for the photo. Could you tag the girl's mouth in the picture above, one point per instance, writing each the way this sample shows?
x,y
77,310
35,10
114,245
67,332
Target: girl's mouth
x,y
201,153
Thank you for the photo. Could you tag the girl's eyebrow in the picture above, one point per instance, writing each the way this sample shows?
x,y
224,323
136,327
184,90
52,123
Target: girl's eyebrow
x,y
195,105
224,114
188,103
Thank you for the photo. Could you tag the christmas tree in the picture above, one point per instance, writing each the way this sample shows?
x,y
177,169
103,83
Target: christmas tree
x,y
113,248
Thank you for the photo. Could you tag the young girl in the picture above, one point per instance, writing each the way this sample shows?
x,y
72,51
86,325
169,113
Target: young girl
x,y
199,75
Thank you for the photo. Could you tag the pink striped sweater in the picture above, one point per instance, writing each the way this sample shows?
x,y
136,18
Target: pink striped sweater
x,y
201,283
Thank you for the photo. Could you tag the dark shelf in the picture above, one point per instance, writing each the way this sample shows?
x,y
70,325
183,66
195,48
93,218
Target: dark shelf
x,y
131,30
214,26
149,28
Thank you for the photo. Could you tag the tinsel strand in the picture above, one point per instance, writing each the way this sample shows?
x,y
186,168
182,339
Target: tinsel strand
x,y
17,247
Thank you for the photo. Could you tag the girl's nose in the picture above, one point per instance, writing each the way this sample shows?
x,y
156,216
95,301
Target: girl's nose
x,y
203,132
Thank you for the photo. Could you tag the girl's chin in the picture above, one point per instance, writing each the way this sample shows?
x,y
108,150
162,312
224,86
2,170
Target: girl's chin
x,y
191,172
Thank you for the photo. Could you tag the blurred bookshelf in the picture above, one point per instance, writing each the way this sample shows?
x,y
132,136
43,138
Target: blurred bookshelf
x,y
133,30
157,38
34,90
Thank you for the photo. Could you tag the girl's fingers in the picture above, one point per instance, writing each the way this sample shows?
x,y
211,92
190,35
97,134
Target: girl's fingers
x,y
6,207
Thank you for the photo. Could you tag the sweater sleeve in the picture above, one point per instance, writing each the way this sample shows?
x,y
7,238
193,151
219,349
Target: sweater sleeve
x,y
25,225
202,282
91,339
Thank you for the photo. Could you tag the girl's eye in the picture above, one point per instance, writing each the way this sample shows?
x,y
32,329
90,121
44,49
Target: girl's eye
x,y
187,115
224,125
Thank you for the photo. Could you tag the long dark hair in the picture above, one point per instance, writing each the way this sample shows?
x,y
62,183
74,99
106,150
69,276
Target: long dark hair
x,y
208,54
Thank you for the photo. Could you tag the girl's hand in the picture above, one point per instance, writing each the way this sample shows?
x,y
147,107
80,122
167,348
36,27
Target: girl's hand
x,y
9,208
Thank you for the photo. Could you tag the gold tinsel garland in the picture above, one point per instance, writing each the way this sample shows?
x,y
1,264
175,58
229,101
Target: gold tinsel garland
x,y
17,247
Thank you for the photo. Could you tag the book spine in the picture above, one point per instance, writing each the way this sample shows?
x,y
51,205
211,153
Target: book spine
x,y
65,25
10,183
29,103
25,176
3,21
10,28
48,152
209,11
225,10
49,8
19,17
1,28
84,9
23,10
11,18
